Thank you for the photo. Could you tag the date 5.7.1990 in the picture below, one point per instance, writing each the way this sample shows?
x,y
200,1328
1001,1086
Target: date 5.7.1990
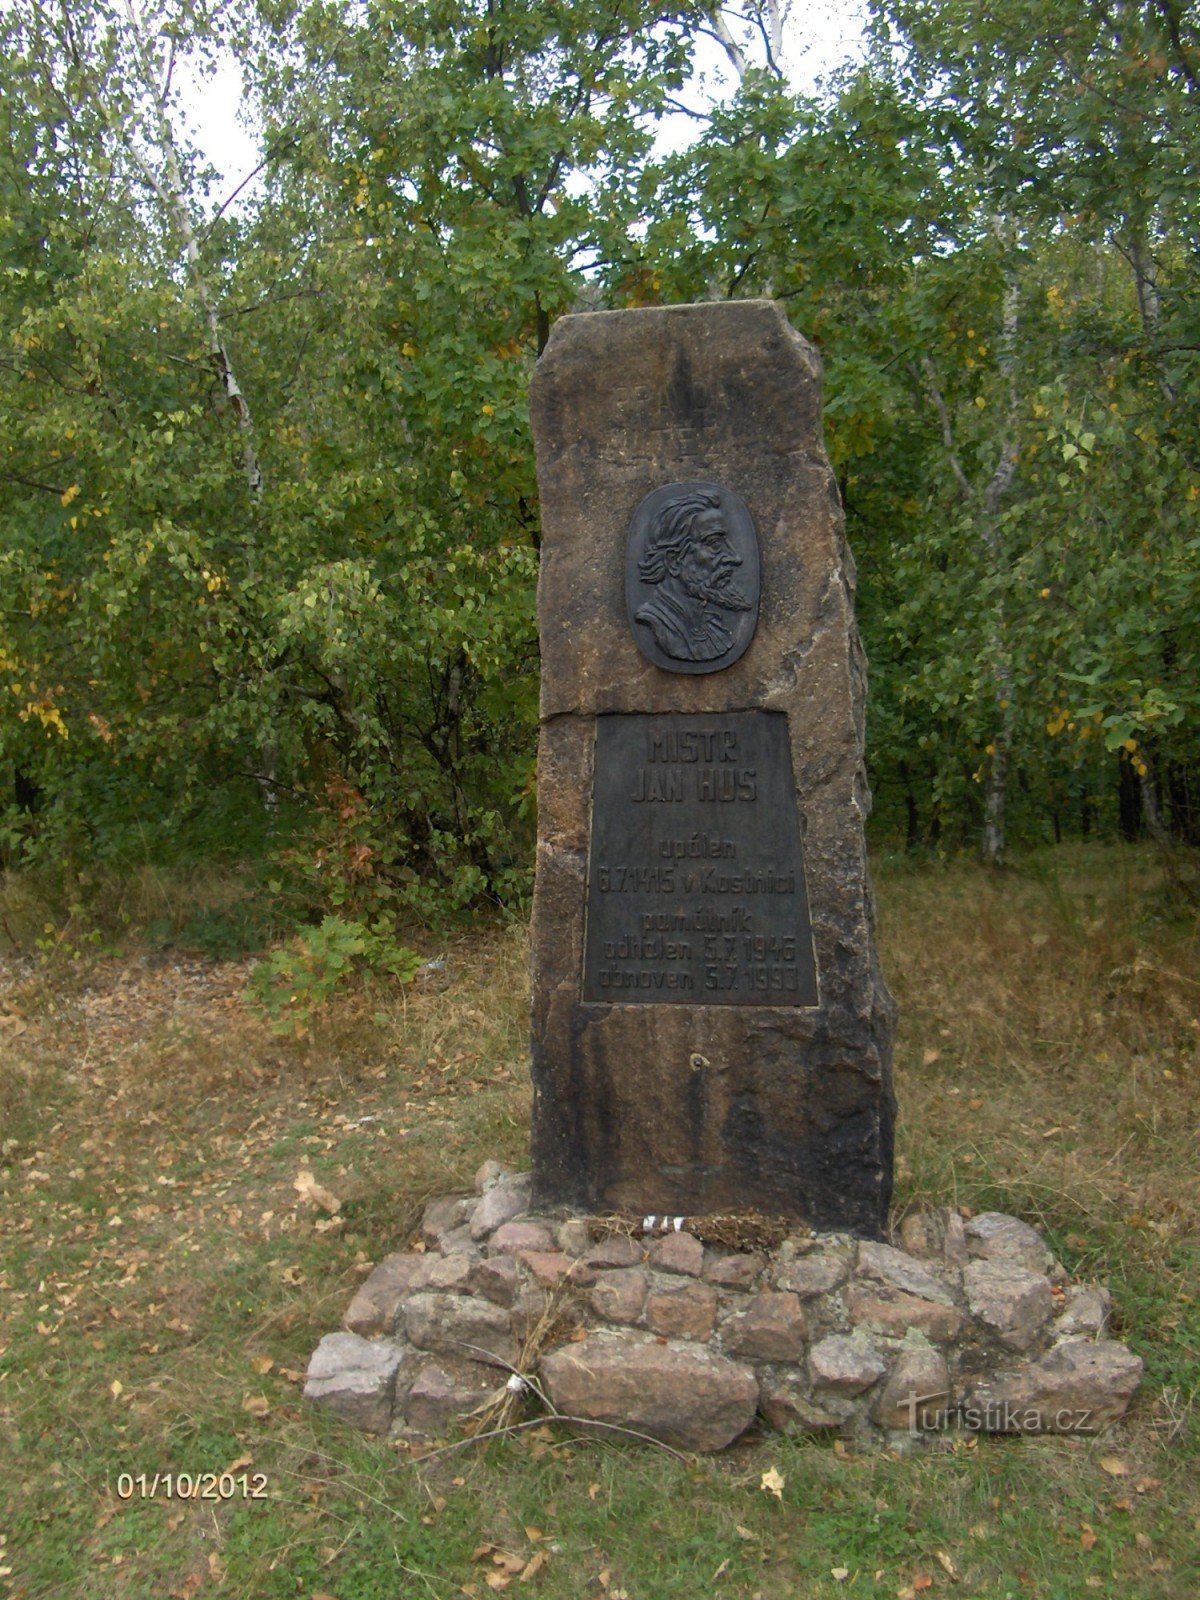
x,y
191,1485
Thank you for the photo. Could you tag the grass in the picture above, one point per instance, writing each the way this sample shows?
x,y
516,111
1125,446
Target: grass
x,y
162,1284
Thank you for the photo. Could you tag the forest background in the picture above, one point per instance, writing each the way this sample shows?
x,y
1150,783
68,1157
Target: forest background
x,y
268,512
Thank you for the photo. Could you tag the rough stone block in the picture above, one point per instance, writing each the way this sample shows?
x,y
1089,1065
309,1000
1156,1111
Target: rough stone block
x,y
728,1271
496,1279
812,1275
442,1215
500,1204
678,1252
772,1328
891,1311
685,1311
620,1294
994,1236
1086,1309
513,1237
459,1326
355,1378
445,1392
1013,1304
845,1363
683,1394
935,1236
1078,1387
787,1406
886,1265
619,1250
376,1306
917,1393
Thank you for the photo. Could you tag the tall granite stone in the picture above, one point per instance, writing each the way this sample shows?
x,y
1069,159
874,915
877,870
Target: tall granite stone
x,y
711,1031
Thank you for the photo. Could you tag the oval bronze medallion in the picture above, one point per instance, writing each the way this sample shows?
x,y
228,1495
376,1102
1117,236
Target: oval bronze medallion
x,y
692,577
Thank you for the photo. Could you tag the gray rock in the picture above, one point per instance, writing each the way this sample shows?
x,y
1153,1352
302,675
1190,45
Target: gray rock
x,y
490,1174
573,1236
772,1328
812,1275
496,1279
1077,1387
619,1250
445,1392
441,1215
917,1394
1086,1309
512,1237
732,1271
619,1295
356,1379
886,1265
845,1363
937,1235
686,1310
890,1311
1013,1304
678,1252
786,1404
459,1325
683,1394
376,1306
450,1273
500,1204
994,1236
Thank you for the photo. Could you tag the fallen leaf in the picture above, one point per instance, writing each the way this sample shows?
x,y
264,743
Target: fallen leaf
x,y
532,1567
593,1490
921,1580
724,1567
292,1275
1087,1537
1114,1466
947,1566
116,1388
482,1550
930,1056
534,1535
216,1567
262,1364
239,1465
256,1405
744,1533
508,1562
307,1187
497,1580
1143,1541
839,1573
772,1482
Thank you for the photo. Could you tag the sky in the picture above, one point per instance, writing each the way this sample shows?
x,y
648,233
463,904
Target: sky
x,y
819,36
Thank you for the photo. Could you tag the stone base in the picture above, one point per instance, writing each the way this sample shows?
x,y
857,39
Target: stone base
x,y
656,1327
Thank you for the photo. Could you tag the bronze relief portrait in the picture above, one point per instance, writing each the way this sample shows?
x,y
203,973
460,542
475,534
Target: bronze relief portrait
x,y
692,577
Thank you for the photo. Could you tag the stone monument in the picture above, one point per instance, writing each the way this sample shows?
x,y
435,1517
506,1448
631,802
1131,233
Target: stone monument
x,y
711,1030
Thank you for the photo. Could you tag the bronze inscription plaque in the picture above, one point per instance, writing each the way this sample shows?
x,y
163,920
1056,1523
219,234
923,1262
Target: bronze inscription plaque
x,y
696,891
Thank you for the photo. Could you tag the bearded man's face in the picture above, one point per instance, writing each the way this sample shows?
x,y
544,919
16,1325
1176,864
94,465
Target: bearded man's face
x,y
707,563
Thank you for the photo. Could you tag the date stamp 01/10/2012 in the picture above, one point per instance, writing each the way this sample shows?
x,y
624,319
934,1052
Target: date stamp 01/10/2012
x,y
191,1486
